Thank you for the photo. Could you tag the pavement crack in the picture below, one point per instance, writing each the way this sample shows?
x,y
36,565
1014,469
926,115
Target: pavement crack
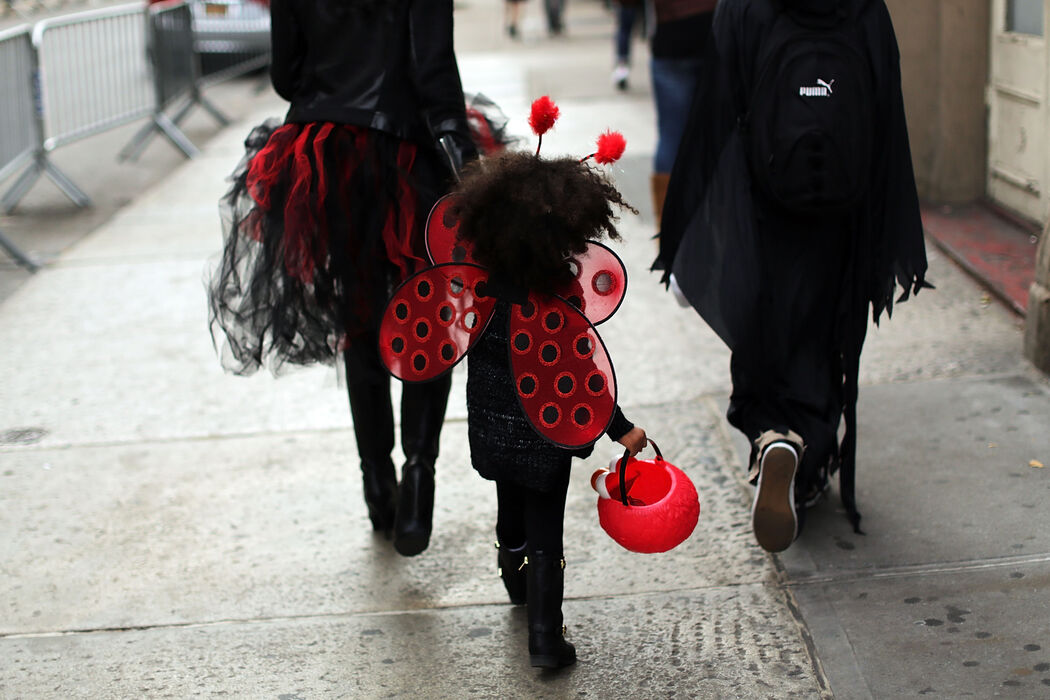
x,y
810,644
919,570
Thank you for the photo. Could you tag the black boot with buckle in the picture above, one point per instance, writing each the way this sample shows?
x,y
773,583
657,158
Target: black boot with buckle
x,y
546,586
510,564
422,415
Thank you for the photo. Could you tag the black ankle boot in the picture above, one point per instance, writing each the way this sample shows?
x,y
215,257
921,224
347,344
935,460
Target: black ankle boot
x,y
415,508
510,564
546,586
379,484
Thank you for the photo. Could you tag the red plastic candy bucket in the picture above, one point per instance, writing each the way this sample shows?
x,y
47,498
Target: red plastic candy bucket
x,y
646,505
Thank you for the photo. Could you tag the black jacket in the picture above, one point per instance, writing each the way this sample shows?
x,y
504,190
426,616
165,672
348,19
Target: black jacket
x,y
392,69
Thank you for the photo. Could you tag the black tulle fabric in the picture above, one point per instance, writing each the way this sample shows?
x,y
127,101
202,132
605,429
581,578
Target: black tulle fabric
x,y
488,125
321,220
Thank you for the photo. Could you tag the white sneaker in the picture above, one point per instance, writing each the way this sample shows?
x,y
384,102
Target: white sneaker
x,y
619,76
773,518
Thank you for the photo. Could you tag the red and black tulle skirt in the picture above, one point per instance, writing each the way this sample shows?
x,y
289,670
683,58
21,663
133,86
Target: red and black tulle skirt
x,y
321,221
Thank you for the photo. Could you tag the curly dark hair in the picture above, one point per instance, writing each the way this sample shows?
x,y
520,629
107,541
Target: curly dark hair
x,y
524,215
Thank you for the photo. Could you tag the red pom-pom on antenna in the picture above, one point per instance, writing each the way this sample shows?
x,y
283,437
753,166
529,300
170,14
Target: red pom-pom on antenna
x,y
544,114
611,145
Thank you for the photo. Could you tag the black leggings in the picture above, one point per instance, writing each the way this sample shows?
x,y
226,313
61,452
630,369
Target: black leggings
x,y
422,406
535,517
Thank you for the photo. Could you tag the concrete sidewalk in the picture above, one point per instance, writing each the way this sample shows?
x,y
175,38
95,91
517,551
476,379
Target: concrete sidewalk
x,y
170,531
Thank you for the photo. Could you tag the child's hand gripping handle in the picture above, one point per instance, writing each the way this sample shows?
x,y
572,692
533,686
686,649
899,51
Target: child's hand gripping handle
x,y
620,468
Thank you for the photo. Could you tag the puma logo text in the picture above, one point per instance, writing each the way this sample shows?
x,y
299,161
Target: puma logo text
x,y
821,89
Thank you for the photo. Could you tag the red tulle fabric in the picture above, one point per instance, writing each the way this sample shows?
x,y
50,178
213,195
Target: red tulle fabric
x,y
269,162
397,232
299,221
287,158
482,132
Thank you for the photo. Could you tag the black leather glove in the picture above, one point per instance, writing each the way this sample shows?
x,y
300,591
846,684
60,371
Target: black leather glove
x,y
456,149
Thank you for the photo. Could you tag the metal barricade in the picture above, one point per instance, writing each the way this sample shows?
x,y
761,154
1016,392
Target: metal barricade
x,y
18,125
229,53
27,8
171,50
175,74
92,75
20,257
93,72
18,137
226,39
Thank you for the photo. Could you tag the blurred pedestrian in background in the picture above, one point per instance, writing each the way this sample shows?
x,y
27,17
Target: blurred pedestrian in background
x,y
627,14
792,209
325,216
555,11
512,15
677,47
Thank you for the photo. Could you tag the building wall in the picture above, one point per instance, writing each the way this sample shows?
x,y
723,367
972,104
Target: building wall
x,y
944,72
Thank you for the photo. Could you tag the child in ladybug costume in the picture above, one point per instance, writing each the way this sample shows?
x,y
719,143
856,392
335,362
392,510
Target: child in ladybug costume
x,y
519,282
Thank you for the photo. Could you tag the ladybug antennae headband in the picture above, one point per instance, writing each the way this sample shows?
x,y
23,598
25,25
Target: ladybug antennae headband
x,y
545,113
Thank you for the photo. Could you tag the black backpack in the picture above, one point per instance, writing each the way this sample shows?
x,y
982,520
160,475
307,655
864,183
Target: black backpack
x,y
808,126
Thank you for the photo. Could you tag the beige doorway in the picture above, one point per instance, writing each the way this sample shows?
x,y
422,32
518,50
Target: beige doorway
x,y
1019,118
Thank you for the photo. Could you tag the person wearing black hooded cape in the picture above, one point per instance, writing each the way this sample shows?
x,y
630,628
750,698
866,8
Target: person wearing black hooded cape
x,y
789,294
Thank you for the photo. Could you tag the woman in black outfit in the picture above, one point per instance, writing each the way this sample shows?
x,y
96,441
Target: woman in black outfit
x,y
326,214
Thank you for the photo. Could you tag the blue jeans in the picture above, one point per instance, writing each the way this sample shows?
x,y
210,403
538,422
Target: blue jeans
x,y
625,18
555,9
674,81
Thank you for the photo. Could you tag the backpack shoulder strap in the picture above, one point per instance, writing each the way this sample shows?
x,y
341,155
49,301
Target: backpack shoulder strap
x,y
845,11
856,9
778,18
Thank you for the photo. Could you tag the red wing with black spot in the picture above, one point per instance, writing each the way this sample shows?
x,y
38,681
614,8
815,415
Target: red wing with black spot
x,y
432,320
442,230
564,377
599,284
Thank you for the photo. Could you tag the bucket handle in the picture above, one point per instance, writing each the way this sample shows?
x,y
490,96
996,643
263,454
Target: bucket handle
x,y
621,468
